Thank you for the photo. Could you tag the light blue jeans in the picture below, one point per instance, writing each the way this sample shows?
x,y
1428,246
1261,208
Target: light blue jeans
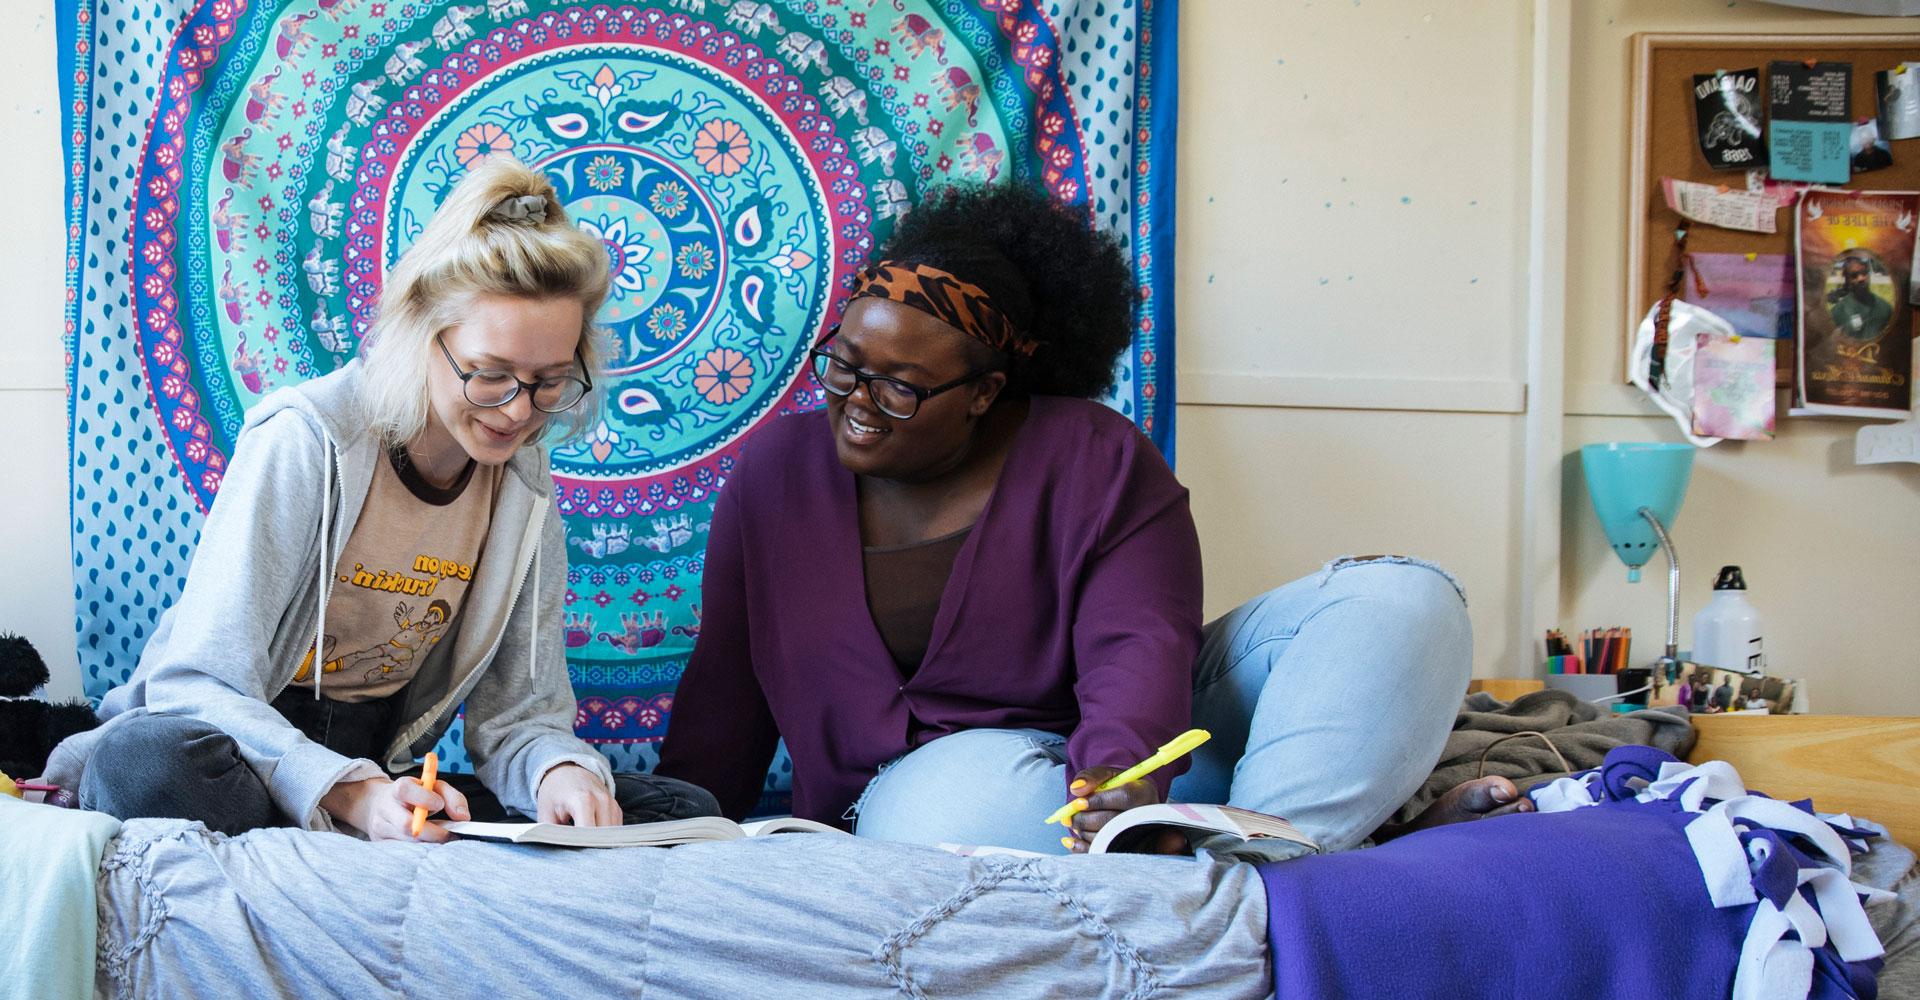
x,y
1329,700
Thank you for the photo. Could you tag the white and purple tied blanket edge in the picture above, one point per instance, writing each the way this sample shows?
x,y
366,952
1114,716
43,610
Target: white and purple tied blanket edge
x,y
1791,864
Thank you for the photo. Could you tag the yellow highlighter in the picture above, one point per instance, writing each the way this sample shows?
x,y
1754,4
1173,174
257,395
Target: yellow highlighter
x,y
1179,747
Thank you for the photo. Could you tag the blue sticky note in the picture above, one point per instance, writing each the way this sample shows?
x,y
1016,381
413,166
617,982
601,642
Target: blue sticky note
x,y
1809,151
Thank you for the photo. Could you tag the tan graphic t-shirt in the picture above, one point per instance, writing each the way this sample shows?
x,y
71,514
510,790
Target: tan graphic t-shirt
x,y
400,578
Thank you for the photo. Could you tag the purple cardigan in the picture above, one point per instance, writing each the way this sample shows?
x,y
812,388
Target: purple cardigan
x,y
1074,607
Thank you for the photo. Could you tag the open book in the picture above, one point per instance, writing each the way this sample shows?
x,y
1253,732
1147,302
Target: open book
x,y
664,834
1241,833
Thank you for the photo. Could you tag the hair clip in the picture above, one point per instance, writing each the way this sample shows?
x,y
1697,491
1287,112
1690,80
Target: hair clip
x,y
523,208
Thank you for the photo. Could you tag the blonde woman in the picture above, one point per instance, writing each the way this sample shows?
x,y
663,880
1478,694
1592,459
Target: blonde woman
x,y
385,548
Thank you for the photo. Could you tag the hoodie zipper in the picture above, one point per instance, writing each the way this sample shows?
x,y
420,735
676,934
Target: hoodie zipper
x,y
329,551
473,676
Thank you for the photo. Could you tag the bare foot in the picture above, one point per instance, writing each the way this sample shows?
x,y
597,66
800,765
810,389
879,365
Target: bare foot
x,y
1475,799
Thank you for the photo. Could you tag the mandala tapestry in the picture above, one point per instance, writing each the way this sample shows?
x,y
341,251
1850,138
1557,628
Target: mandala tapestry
x,y
241,172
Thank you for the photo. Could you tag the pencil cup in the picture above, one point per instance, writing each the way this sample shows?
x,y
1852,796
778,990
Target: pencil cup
x,y
1587,687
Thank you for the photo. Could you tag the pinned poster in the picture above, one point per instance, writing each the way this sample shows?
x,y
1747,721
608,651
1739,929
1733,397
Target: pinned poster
x,y
1868,149
1727,120
1753,292
1733,387
1855,330
1899,93
1809,127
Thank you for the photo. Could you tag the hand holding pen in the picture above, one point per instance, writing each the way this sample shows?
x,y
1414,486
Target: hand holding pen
x,y
388,809
1105,792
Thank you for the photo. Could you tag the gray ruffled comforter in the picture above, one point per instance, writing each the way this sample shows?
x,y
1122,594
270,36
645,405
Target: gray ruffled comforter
x,y
288,913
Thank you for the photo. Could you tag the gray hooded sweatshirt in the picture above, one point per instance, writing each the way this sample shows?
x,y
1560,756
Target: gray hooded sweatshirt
x,y
255,601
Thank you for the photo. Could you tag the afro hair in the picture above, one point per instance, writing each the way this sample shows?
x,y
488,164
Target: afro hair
x,y
1062,282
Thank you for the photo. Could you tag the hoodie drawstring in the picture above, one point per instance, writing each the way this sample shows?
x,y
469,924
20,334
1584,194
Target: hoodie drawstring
x,y
533,666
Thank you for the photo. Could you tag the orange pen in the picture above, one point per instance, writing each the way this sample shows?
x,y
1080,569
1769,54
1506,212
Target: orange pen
x,y
428,775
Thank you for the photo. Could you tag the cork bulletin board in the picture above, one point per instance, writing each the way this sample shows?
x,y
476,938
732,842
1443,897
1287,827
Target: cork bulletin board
x,y
1664,145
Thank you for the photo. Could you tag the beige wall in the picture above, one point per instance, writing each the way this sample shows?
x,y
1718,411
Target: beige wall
x,y
1297,306
36,588
1373,347
1353,184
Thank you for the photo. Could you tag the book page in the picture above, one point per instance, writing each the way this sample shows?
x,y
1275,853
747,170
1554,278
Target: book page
x,y
487,831
787,824
1240,824
1251,825
665,834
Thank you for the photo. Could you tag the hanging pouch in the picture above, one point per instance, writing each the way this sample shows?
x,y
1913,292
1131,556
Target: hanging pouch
x,y
1672,388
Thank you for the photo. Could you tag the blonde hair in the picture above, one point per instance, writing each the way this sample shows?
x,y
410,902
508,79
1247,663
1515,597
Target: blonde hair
x,y
478,244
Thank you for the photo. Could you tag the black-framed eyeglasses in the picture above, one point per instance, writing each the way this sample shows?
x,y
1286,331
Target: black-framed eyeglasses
x,y
491,387
897,399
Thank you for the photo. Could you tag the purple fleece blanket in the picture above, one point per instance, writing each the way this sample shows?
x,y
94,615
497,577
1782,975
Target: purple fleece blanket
x,y
1615,896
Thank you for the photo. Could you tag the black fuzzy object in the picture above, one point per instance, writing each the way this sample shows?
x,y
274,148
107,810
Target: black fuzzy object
x,y
29,727
21,668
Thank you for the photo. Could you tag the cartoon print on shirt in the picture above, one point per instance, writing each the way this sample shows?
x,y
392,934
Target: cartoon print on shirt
x,y
399,652
404,648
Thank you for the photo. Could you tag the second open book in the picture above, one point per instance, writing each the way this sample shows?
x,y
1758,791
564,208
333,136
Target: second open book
x,y
1225,830
1220,829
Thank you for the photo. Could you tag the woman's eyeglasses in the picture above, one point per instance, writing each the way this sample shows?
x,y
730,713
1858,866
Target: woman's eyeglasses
x,y
490,387
897,399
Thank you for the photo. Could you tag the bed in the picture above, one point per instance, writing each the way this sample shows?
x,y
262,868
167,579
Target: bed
x,y
181,912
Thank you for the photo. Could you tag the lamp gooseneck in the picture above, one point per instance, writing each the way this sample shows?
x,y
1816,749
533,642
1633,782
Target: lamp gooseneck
x,y
1673,583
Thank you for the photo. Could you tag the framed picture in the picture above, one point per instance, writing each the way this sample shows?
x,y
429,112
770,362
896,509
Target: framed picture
x,y
1707,690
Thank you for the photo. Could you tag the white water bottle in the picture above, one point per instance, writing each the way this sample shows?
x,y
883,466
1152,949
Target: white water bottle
x,y
1726,633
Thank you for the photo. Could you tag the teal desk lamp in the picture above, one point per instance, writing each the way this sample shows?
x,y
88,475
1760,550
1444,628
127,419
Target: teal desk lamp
x,y
1636,489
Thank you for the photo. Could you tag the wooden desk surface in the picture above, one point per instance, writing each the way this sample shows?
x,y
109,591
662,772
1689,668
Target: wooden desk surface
x,y
1865,765
1505,688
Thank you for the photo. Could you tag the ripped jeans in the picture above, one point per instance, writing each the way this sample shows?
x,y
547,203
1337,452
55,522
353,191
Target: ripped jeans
x,y
1328,698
